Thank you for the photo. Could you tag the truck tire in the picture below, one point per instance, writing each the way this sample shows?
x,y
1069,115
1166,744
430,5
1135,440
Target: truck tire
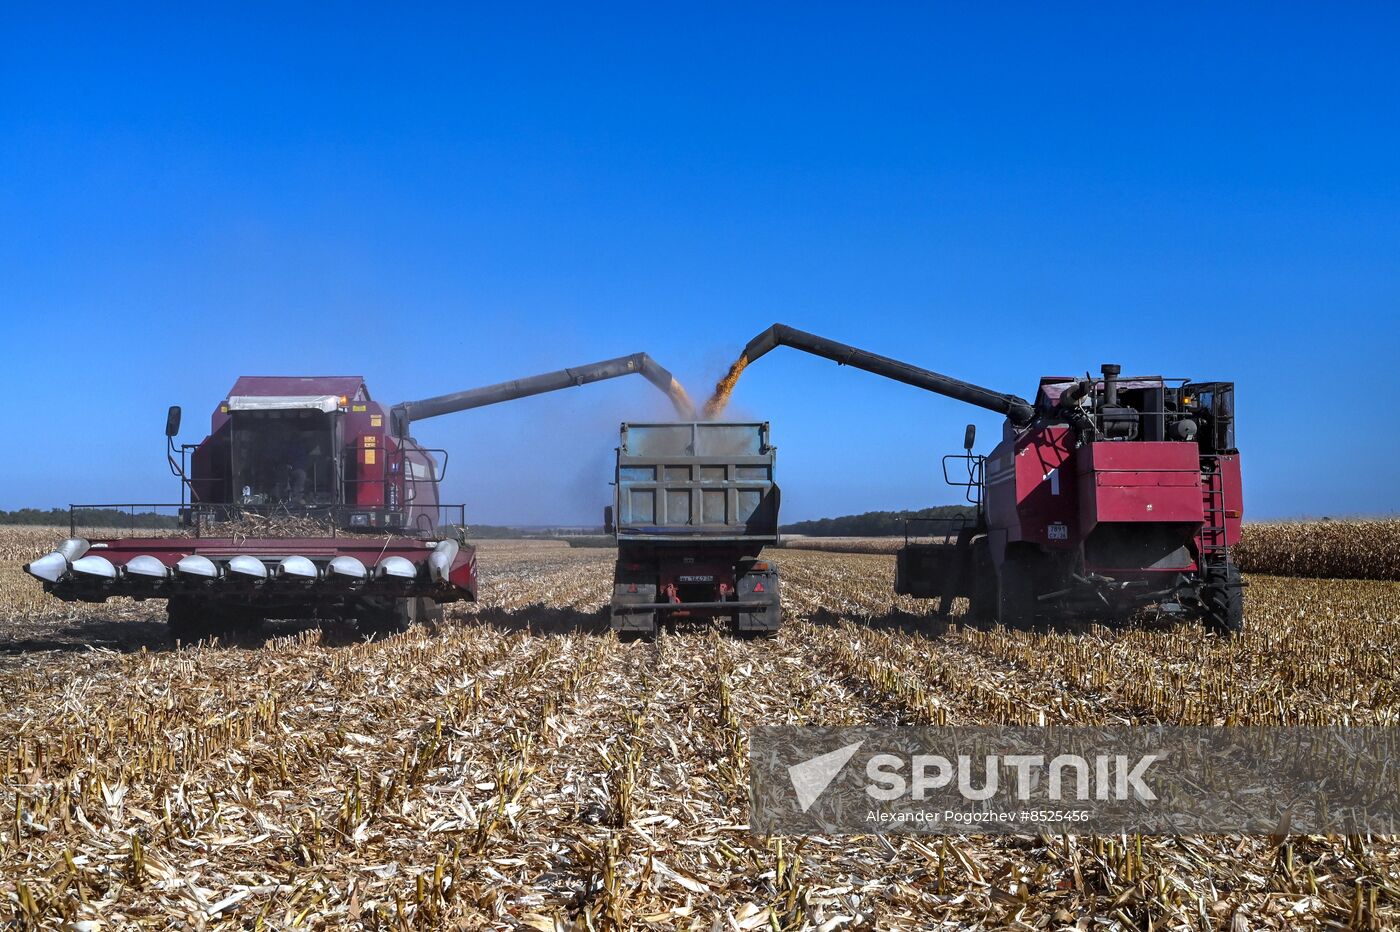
x,y
1222,595
1016,592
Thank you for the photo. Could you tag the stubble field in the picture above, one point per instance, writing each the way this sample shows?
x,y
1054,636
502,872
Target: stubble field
x,y
517,766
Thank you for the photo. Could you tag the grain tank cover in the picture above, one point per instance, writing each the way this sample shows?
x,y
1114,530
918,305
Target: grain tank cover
x,y
323,403
689,480
351,387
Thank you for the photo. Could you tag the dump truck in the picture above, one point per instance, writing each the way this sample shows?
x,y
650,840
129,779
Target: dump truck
x,y
694,504
307,499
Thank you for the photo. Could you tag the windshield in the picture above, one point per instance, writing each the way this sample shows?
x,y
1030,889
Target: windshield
x,y
283,457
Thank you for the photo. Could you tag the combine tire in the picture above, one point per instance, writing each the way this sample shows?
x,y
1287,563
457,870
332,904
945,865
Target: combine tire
x,y
1223,598
1016,592
191,620
982,601
394,616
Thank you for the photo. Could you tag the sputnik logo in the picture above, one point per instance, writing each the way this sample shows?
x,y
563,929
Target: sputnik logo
x,y
811,777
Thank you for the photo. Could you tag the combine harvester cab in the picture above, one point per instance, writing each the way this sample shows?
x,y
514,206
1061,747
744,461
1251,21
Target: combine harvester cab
x,y
694,506
308,499
299,504
1104,497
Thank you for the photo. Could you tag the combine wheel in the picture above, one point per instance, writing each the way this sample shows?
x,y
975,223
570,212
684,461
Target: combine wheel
x,y
191,620
387,616
982,602
1223,597
425,611
1016,592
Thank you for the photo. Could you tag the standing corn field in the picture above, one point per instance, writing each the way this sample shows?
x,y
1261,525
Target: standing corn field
x,y
1349,549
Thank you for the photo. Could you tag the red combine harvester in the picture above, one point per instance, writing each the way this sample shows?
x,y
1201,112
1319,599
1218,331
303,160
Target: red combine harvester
x,y
1104,496
306,453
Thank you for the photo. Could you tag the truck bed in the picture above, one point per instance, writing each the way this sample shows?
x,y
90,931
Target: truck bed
x,y
696,481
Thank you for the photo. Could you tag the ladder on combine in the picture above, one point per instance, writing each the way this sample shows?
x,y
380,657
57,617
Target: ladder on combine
x,y
1214,544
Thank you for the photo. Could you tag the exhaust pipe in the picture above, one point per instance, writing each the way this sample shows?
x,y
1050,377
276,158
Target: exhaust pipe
x,y
1110,384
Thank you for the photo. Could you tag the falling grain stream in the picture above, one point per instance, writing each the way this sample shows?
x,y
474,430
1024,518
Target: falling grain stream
x,y
718,401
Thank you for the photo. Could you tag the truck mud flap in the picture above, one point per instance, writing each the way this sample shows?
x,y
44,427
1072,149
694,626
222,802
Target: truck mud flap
x,y
763,587
627,618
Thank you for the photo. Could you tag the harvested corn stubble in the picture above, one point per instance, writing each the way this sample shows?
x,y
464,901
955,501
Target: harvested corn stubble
x,y
514,767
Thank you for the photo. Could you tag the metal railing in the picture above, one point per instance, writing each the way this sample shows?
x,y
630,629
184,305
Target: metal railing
x,y
198,519
937,530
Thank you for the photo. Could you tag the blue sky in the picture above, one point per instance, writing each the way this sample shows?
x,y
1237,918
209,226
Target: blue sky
x,y
443,197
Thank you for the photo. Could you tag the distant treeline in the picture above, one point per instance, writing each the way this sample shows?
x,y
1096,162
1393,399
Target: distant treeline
x,y
874,523
88,517
493,532
503,532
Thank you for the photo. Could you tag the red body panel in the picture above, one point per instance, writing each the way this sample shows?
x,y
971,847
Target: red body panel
x,y
1139,482
1234,496
1042,492
1031,488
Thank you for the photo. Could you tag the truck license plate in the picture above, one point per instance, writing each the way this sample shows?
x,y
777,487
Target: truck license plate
x,y
1058,532
693,579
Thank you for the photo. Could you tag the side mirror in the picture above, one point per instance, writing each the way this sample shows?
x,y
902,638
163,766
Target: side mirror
x,y
969,437
172,421
608,519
